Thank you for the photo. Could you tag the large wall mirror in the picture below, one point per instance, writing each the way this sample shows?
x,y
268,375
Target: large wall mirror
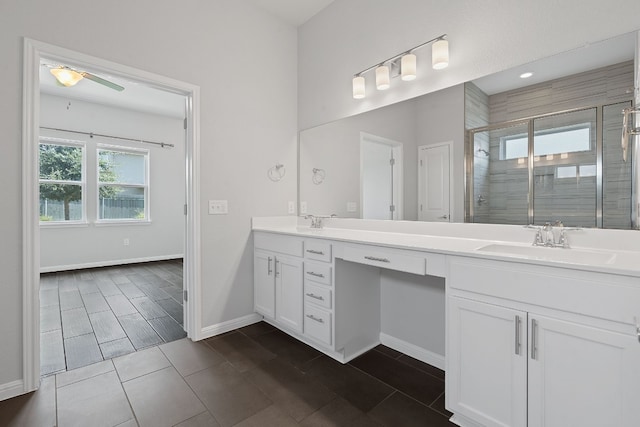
x,y
537,149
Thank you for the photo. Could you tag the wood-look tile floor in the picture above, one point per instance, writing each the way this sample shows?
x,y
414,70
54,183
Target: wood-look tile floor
x,y
256,376
87,316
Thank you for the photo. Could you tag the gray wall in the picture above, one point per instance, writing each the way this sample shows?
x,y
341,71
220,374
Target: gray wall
x,y
247,126
485,37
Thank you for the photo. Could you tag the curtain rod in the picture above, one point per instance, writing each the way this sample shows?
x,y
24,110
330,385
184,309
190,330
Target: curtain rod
x,y
91,135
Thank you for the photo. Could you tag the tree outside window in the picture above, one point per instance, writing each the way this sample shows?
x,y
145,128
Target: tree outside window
x,y
61,182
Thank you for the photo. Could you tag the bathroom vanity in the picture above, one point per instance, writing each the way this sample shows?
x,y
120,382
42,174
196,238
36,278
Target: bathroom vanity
x,y
534,336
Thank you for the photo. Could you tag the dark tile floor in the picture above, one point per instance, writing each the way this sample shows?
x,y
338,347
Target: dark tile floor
x,y
87,316
256,376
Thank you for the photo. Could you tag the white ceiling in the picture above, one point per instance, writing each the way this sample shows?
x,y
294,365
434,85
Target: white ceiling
x,y
135,96
588,57
295,12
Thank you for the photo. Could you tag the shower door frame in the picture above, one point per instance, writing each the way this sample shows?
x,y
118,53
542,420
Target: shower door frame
x,y
529,122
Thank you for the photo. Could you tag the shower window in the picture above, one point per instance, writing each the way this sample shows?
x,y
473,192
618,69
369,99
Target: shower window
x,y
565,166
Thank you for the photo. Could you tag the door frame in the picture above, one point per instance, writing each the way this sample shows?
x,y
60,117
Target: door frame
x,y
33,51
421,180
397,148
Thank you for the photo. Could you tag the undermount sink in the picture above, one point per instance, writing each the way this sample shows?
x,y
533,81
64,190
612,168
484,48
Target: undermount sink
x,y
574,256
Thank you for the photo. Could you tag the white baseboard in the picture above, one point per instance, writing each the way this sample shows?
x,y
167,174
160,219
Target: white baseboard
x,y
12,389
229,325
413,350
108,263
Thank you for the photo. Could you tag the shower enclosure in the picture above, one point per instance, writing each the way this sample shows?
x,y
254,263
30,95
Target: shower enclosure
x,y
565,166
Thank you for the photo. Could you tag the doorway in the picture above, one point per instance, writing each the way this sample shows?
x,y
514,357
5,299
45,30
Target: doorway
x,y
434,182
381,177
34,52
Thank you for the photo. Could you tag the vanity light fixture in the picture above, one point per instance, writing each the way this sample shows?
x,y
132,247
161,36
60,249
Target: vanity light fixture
x,y
406,62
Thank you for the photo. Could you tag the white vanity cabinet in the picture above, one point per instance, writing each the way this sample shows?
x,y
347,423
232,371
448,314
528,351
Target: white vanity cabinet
x,y
534,346
318,292
278,280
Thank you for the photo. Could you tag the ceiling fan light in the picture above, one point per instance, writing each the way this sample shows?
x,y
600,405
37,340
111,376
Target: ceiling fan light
x,y
440,54
382,78
408,67
65,76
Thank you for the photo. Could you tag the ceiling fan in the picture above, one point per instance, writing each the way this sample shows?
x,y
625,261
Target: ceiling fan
x,y
67,76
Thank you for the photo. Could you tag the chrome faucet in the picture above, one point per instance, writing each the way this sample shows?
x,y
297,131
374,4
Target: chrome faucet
x,y
545,235
316,220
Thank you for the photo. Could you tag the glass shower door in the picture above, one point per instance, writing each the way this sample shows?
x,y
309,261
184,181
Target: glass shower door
x,y
565,169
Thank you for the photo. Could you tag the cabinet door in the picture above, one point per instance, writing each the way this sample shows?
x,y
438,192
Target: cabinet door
x,y
264,283
582,376
289,292
487,363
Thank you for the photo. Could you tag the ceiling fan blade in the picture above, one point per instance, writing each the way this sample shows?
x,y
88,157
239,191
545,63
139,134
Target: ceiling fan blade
x,y
102,81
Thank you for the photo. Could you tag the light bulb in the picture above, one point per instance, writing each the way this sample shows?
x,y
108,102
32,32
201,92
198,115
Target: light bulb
x,y
358,87
66,76
440,54
408,67
382,78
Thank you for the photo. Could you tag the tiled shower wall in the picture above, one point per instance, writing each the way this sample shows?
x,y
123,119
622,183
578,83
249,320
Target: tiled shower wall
x,y
503,183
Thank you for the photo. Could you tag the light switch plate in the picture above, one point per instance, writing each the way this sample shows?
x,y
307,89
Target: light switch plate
x,y
303,208
352,207
218,207
292,208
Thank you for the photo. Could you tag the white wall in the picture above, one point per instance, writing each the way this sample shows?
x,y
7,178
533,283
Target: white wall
x,y
335,147
440,118
89,246
485,37
248,123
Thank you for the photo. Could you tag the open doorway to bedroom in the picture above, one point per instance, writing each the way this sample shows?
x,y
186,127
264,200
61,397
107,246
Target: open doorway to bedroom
x,y
112,188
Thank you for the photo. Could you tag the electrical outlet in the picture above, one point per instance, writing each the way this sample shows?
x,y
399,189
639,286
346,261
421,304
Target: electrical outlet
x,y
218,207
303,208
292,207
352,207
126,242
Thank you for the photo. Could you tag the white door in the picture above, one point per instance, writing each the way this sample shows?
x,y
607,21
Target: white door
x,y
581,376
380,178
487,370
434,183
289,292
264,283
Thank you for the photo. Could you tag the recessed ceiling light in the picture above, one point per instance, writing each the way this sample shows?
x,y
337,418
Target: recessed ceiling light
x,y
526,75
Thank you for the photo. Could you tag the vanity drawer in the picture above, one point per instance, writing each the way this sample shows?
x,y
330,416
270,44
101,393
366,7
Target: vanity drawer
x,y
320,295
317,272
386,258
317,324
317,250
278,243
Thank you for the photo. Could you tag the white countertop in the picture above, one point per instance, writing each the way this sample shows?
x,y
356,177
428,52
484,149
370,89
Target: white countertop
x,y
449,239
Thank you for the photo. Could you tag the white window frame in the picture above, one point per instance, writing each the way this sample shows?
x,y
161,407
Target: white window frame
x,y
46,140
504,140
147,208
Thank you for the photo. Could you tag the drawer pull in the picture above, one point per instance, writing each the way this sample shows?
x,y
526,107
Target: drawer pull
x,y
373,258
311,273
317,319
312,251
315,297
